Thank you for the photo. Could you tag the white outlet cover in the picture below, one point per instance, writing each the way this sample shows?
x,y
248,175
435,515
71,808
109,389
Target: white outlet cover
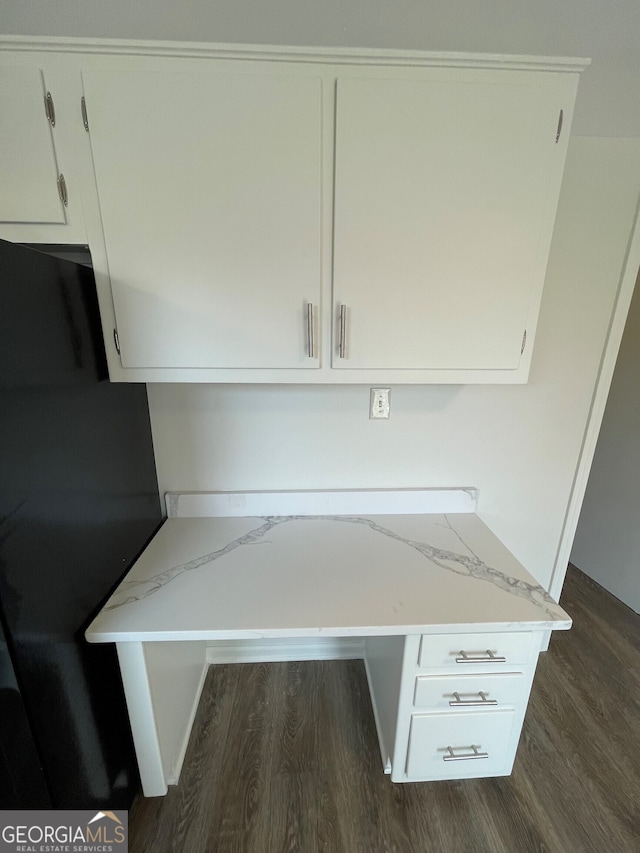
x,y
380,403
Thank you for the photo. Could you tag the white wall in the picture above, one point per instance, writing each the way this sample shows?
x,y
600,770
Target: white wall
x,y
607,543
606,30
518,444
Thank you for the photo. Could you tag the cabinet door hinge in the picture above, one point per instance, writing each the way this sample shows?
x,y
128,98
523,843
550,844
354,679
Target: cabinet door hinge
x,y
62,190
50,109
524,341
559,128
116,340
85,117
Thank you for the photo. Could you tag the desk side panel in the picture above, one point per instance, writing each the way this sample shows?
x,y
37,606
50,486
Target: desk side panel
x,y
383,662
142,718
162,683
176,673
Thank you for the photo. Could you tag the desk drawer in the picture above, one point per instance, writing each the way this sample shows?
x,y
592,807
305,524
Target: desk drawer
x,y
439,691
482,651
461,745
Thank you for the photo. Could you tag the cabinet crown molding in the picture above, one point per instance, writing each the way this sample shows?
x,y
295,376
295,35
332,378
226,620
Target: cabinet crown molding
x,y
288,53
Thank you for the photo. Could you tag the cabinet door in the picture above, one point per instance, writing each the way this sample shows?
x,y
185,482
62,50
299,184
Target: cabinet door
x,y
446,190
210,196
28,169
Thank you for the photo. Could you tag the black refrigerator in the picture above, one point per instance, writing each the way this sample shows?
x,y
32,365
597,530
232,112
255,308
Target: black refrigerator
x,y
78,502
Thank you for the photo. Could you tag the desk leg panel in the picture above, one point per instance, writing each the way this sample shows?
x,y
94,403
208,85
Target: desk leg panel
x,y
162,683
137,689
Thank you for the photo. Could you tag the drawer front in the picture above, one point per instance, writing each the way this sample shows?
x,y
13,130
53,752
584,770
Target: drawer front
x,y
475,651
461,745
456,692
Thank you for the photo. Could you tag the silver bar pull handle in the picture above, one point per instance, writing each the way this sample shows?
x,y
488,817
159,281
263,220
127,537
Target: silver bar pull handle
x,y
342,338
488,657
457,702
465,756
310,341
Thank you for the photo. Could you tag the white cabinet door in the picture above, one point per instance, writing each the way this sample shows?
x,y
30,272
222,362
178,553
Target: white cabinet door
x,y
209,185
446,190
28,169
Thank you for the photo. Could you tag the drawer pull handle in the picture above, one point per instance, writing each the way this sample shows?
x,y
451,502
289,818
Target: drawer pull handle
x,y
472,703
488,657
465,756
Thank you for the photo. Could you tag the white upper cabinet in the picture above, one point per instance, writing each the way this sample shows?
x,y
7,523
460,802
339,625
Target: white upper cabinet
x,y
209,186
262,214
28,170
445,195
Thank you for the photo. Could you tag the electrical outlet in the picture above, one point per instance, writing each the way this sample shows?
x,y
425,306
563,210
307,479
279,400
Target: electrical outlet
x,y
379,403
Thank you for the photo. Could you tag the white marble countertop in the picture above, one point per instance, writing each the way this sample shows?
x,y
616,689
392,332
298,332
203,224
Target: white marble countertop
x,y
325,575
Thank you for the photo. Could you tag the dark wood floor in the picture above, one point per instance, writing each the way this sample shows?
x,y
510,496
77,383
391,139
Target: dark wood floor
x,y
284,759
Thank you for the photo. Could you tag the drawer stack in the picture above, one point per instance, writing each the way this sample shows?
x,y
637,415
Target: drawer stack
x,y
466,701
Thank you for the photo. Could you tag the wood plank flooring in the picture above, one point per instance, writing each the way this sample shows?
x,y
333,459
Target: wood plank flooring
x,y
284,759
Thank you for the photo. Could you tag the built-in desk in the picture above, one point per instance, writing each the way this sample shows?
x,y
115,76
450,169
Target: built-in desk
x,y
451,624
